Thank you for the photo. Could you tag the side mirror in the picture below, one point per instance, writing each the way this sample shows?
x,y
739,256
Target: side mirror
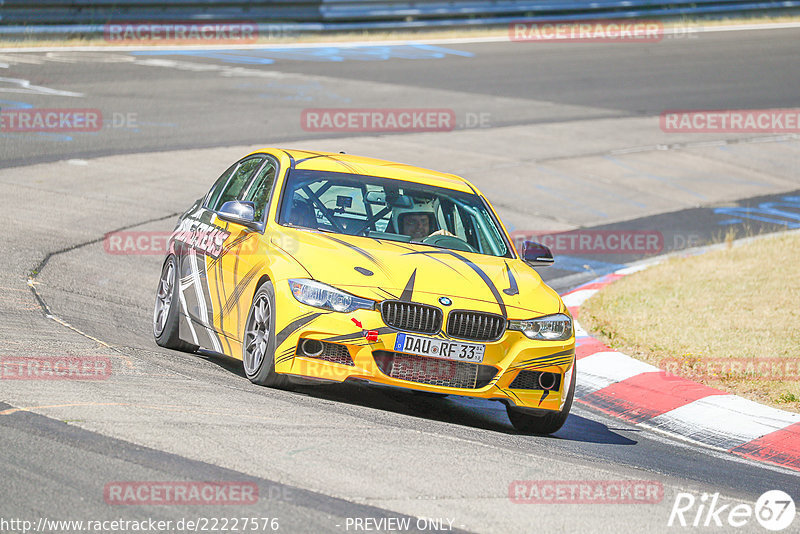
x,y
239,212
536,255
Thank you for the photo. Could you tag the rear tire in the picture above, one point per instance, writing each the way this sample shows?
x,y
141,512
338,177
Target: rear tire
x,y
258,345
165,314
542,424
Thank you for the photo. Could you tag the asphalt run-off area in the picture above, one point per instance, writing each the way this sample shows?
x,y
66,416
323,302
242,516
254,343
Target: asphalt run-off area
x,y
572,142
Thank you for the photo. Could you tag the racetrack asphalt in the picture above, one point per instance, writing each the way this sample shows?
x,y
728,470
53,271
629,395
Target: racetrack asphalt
x,y
571,140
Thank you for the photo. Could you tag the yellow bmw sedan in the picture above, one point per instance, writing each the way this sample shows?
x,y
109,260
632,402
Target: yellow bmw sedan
x,y
336,267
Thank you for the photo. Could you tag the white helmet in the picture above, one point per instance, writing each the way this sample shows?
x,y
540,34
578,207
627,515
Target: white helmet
x,y
419,208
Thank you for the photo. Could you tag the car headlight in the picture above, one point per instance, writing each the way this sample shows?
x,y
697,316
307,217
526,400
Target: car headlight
x,y
556,327
323,296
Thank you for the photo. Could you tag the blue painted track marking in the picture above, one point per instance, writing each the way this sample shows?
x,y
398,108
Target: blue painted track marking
x,y
785,213
50,136
267,56
14,104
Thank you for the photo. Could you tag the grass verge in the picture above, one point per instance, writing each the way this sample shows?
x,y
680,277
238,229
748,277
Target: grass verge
x,y
728,318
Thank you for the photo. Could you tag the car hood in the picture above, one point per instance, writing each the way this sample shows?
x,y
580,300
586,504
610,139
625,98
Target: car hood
x,y
382,269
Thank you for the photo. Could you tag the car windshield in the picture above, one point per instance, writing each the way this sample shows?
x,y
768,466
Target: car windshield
x,y
394,210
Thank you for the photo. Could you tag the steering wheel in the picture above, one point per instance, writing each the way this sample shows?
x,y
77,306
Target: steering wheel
x,y
448,241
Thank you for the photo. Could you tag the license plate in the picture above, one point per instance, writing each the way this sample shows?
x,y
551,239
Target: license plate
x,y
439,348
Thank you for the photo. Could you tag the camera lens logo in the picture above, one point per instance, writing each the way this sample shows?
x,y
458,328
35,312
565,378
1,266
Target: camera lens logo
x,y
444,301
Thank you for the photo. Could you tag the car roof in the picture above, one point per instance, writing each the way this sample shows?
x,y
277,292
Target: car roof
x,y
333,162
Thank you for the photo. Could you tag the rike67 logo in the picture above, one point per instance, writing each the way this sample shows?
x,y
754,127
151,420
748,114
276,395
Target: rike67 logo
x,y
774,510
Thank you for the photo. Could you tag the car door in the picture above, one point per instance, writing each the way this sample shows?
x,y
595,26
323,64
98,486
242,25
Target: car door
x,y
234,275
206,240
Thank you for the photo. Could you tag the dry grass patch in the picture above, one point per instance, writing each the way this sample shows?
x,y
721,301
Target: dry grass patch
x,y
713,318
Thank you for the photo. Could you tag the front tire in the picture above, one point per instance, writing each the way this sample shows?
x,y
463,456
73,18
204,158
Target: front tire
x,y
165,314
543,424
258,347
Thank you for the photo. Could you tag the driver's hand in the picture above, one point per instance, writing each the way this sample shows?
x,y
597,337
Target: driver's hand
x,y
441,232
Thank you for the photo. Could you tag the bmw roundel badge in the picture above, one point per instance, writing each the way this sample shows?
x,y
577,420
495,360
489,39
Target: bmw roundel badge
x,y
444,301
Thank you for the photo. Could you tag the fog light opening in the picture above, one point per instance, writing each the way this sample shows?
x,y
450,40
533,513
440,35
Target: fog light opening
x,y
547,381
311,347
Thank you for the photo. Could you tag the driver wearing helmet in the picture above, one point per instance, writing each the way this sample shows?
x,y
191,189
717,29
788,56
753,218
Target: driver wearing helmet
x,y
419,224
416,224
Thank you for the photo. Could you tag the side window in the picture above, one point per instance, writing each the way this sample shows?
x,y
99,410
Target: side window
x,y
237,182
495,245
261,187
218,186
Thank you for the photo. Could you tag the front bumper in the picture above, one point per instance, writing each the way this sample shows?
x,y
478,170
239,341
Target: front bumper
x,y
359,346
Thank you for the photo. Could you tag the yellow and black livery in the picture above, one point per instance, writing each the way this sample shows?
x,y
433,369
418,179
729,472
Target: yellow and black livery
x,y
305,264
